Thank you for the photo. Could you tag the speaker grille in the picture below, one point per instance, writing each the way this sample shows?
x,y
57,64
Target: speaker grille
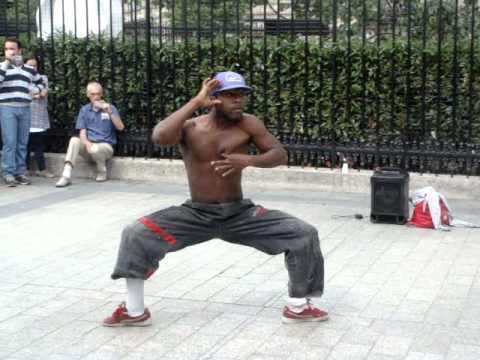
x,y
389,197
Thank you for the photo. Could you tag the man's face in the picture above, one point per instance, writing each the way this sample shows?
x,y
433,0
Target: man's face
x,y
95,93
11,49
233,104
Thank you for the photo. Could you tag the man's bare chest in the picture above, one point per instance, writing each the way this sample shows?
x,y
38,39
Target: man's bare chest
x,y
208,145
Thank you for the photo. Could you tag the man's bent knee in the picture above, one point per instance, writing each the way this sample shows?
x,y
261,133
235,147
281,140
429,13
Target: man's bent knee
x,y
74,141
308,231
307,239
130,259
128,235
101,152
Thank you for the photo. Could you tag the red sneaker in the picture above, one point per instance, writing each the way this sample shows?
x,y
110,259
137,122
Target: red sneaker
x,y
120,317
311,313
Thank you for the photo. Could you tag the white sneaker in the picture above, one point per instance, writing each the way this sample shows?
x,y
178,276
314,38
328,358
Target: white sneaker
x,y
101,176
63,181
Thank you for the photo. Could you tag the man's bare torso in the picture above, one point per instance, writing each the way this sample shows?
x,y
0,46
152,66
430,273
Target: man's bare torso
x,y
205,141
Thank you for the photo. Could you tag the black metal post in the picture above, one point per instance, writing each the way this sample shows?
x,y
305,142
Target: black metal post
x,y
439,68
150,123
454,125
471,74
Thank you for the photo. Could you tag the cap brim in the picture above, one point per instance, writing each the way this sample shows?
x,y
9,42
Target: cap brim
x,y
232,87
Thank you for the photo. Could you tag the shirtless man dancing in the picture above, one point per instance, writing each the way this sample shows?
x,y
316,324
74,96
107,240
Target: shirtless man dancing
x,y
215,151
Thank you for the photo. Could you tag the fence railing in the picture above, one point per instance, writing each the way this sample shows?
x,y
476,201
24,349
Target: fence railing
x,y
375,82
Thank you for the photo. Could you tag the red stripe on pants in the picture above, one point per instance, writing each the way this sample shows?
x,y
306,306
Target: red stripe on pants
x,y
158,230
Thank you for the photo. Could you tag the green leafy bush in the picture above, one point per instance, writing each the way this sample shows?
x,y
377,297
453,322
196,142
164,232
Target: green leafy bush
x,y
300,88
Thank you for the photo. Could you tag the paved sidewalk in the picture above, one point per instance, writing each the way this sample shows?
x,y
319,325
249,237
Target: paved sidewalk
x,y
393,292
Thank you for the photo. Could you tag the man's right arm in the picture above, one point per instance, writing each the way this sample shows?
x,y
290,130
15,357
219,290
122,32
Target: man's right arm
x,y
81,125
3,69
84,139
169,131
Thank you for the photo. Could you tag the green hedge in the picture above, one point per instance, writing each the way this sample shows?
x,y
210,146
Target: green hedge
x,y
294,91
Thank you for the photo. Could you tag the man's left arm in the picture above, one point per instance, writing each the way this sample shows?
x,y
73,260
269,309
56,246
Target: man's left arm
x,y
272,152
115,117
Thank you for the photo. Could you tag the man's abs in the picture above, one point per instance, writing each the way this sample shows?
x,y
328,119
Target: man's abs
x,y
208,187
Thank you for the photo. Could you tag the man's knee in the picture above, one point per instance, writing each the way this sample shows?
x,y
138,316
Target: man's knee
x,y
308,237
308,230
74,141
128,234
9,144
101,152
9,139
132,234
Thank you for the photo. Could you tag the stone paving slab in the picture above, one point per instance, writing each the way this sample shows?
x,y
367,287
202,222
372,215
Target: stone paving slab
x,y
393,292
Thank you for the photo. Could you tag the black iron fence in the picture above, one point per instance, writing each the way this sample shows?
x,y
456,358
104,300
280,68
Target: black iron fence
x,y
374,82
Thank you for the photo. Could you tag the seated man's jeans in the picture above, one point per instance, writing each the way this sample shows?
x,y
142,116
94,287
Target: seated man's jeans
x,y
15,124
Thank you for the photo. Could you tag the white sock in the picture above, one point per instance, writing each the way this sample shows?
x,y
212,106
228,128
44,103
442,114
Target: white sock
x,y
135,304
297,305
67,170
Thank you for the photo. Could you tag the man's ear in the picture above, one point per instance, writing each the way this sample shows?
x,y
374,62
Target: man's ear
x,y
215,101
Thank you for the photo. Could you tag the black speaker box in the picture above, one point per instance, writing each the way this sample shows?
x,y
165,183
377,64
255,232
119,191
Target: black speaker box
x,y
389,197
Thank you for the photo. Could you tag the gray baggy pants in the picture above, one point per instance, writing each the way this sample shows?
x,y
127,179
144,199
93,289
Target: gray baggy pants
x,y
145,242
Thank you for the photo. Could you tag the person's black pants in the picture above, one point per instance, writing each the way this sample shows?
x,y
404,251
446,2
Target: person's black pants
x,y
36,144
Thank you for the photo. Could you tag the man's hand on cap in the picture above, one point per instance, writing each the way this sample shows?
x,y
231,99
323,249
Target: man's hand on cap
x,y
203,97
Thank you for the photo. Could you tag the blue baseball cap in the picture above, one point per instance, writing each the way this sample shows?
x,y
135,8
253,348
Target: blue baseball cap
x,y
230,80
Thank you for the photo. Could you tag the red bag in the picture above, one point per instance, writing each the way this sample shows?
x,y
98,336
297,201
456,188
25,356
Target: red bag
x,y
422,218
